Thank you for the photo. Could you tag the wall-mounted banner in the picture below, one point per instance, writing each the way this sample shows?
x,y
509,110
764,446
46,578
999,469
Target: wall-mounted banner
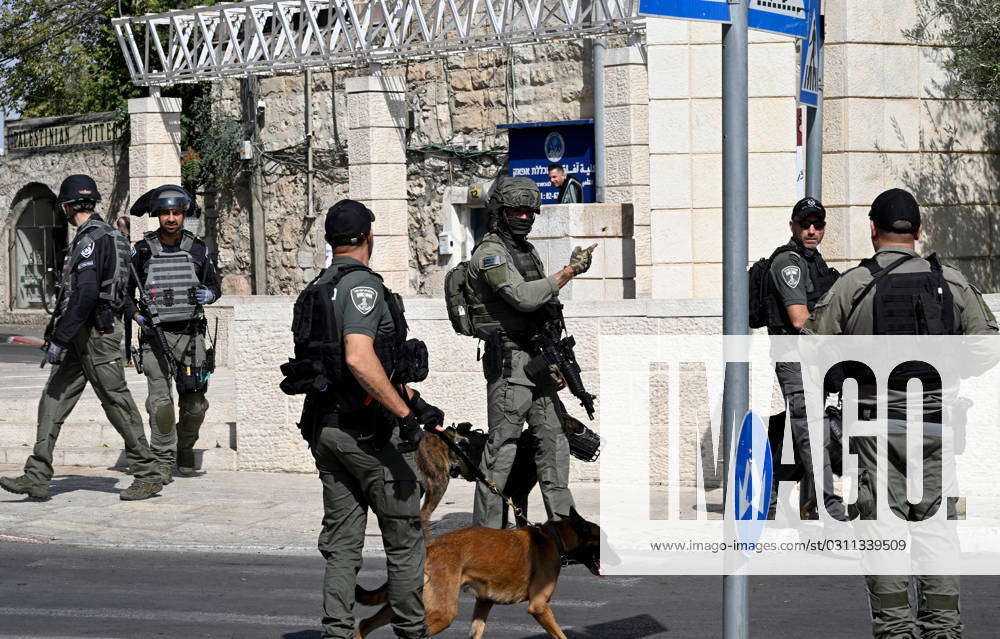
x,y
536,145
911,456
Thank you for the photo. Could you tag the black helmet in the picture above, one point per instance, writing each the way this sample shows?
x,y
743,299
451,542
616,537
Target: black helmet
x,y
162,198
79,188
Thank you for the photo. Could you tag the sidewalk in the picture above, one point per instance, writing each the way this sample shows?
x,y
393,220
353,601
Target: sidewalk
x,y
240,512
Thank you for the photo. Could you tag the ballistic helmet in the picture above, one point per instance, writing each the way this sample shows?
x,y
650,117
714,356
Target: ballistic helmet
x,y
163,198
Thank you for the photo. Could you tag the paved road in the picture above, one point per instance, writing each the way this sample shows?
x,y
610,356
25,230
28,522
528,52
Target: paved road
x,y
20,353
58,591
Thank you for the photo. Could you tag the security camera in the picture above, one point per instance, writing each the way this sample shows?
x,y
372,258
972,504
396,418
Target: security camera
x,y
261,105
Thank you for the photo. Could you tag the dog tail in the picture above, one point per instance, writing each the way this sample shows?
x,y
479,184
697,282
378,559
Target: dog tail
x,y
372,597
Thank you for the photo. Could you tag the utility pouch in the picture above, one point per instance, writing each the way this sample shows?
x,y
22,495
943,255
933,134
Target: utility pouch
x,y
191,379
104,319
303,376
413,362
539,371
497,362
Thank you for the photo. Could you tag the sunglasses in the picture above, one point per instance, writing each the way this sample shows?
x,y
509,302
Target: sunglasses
x,y
818,224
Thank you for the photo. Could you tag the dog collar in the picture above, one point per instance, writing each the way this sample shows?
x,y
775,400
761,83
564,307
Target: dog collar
x,y
560,546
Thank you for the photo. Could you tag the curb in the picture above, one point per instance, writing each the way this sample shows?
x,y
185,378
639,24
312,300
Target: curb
x,y
21,339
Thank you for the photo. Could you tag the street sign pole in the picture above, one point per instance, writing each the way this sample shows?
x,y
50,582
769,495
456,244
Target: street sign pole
x,y
814,128
735,286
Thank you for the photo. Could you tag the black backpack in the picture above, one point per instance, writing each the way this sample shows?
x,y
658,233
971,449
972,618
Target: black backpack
x,y
318,349
763,309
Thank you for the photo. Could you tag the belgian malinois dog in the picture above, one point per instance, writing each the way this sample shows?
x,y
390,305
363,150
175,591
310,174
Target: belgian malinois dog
x,y
499,567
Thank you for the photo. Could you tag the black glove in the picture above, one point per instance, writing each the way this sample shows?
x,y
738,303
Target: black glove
x,y
430,416
409,430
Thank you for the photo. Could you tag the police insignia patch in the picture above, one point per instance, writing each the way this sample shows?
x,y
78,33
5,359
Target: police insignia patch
x,y
87,251
792,275
492,260
363,298
132,250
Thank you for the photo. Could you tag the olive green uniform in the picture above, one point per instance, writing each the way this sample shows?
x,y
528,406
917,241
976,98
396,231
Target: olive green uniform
x,y
937,595
793,280
167,440
95,358
359,472
510,299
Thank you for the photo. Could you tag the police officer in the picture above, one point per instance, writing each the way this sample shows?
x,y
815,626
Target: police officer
x,y
176,273
84,345
365,460
516,297
912,296
799,278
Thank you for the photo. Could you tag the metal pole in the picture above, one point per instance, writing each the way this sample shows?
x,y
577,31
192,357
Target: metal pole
x,y
599,167
735,289
257,236
814,134
310,212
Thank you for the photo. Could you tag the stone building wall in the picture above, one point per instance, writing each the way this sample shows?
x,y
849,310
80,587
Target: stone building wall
x,y
108,165
456,103
891,119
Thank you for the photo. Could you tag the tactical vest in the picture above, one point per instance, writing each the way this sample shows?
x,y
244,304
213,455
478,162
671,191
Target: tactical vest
x,y
909,303
318,365
114,286
490,312
822,278
171,278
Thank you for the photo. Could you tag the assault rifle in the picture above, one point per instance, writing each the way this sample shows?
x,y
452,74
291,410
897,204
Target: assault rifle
x,y
147,307
556,353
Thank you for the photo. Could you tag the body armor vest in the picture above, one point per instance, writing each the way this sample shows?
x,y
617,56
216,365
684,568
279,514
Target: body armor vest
x,y
319,349
171,278
492,312
114,285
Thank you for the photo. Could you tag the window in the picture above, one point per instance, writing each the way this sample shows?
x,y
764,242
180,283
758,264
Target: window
x,y
40,236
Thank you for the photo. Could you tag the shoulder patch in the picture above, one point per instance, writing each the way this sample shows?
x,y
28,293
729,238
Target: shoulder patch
x,y
87,251
491,261
132,250
792,275
364,298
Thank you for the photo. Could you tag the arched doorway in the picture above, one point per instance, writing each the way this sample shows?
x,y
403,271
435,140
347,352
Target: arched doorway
x,y
39,238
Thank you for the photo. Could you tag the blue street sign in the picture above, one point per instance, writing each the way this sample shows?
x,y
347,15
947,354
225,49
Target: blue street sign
x,y
787,17
811,67
712,10
750,492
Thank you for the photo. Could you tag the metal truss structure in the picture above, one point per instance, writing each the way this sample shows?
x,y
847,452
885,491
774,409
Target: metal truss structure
x,y
263,37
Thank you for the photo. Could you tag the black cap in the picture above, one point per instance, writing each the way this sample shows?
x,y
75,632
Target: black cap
x,y
895,211
79,187
348,222
808,206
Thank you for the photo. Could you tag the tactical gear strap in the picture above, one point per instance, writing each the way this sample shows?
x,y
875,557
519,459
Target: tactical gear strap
x,y
940,602
893,599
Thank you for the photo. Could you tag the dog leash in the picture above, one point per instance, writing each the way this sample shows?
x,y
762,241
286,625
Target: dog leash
x,y
480,476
